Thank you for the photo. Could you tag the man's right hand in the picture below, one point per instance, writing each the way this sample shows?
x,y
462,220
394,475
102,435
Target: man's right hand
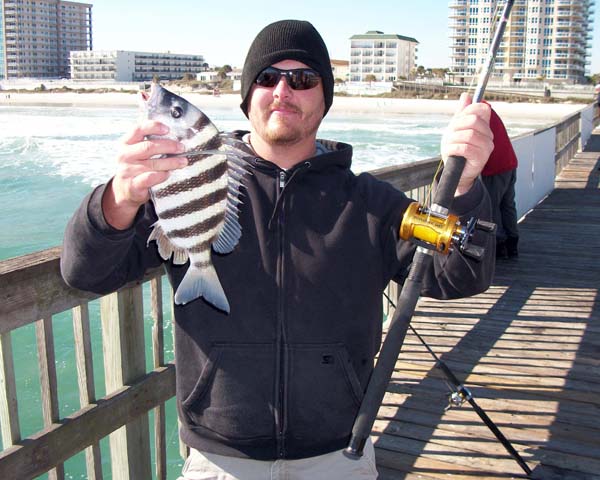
x,y
137,171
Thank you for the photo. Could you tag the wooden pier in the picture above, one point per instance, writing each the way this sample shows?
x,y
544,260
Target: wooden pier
x,y
528,350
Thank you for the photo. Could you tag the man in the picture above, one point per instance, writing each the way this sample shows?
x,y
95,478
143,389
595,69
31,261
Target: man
x,y
499,177
272,389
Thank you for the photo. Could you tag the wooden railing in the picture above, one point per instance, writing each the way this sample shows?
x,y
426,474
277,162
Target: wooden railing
x,y
568,141
33,292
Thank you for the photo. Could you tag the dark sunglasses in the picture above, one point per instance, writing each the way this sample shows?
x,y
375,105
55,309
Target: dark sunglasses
x,y
297,78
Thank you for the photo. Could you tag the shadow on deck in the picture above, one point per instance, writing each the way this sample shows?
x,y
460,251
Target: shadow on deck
x,y
527,349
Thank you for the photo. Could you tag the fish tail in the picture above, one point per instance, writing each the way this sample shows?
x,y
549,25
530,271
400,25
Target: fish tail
x,y
202,283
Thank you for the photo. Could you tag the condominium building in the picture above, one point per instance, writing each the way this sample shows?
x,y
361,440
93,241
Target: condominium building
x,y
546,40
128,66
380,56
340,69
36,36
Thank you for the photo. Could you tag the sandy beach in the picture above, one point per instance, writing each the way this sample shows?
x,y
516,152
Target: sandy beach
x,y
553,111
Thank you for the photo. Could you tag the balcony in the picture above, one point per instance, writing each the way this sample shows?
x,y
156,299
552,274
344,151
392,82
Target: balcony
x,y
460,33
458,14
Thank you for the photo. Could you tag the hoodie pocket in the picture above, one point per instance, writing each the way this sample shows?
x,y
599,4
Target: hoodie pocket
x,y
232,399
324,394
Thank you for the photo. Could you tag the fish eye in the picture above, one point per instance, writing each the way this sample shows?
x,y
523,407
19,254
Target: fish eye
x,y
176,112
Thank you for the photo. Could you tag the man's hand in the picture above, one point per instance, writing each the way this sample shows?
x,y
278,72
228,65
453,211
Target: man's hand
x,y
468,135
137,171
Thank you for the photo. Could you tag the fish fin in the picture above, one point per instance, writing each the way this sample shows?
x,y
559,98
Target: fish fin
x,y
202,283
230,233
165,247
231,139
180,256
237,151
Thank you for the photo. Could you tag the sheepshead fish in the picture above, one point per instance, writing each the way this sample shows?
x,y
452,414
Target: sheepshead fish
x,y
197,206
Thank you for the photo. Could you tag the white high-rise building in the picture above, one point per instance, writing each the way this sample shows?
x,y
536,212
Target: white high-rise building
x,y
36,36
546,40
387,57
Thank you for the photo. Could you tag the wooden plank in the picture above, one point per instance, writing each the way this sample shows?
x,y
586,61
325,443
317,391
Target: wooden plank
x,y
409,176
85,378
526,349
160,447
55,444
31,287
124,364
184,450
48,382
9,418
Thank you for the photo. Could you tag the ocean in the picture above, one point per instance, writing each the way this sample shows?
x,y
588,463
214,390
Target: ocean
x,y
51,157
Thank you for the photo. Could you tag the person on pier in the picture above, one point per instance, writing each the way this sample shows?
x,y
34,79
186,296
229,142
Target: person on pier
x,y
272,389
499,177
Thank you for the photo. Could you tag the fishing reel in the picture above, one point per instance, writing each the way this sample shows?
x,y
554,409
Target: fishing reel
x,y
457,397
442,232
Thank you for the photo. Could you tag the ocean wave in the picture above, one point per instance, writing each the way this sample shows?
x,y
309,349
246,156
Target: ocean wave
x,y
81,143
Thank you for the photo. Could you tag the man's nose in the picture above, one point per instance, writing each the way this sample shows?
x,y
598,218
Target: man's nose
x,y
282,89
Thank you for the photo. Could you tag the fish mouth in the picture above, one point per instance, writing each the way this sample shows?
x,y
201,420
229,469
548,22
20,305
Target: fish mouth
x,y
150,99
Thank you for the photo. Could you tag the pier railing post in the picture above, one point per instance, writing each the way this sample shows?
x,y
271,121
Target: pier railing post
x,y
124,362
9,418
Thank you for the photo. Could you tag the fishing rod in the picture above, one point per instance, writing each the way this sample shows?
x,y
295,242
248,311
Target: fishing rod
x,y
432,230
461,394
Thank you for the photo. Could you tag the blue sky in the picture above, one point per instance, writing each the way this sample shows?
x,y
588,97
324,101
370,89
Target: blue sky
x,y
222,31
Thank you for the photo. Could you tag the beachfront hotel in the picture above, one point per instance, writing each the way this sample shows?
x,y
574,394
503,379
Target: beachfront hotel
x,y
36,37
380,57
129,66
547,40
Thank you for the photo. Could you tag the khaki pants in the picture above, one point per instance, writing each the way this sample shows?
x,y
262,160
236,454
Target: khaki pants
x,y
331,466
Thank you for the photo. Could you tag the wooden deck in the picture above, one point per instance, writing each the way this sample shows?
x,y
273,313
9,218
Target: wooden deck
x,y
528,349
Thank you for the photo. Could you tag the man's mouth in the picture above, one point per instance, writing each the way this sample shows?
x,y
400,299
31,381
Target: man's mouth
x,y
284,108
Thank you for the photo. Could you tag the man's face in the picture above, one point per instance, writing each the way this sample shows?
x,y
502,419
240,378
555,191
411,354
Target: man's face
x,y
283,116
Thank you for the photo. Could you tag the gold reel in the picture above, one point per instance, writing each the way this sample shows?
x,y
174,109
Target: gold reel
x,y
439,232
430,230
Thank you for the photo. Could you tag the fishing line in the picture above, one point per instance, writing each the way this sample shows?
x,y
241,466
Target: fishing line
x,y
459,394
441,236
470,89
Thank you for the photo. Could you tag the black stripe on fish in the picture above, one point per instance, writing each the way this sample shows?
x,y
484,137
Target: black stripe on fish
x,y
213,144
197,229
195,205
202,265
201,248
203,122
188,184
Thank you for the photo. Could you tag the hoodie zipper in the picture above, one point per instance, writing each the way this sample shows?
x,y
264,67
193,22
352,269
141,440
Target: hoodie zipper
x,y
280,324
285,178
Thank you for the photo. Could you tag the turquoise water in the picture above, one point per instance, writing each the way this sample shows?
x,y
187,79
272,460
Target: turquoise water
x,y
50,159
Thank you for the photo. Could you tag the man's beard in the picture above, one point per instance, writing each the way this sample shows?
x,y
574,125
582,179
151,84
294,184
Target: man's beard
x,y
285,131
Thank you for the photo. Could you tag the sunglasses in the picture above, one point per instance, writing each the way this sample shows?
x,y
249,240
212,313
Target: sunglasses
x,y
297,78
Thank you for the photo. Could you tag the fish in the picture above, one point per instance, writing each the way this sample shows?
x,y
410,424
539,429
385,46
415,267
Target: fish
x,y
198,205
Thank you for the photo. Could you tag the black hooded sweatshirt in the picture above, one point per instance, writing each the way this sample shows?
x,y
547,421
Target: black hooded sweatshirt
x,y
283,375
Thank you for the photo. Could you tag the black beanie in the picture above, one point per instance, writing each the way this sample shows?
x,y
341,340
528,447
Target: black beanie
x,y
287,40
